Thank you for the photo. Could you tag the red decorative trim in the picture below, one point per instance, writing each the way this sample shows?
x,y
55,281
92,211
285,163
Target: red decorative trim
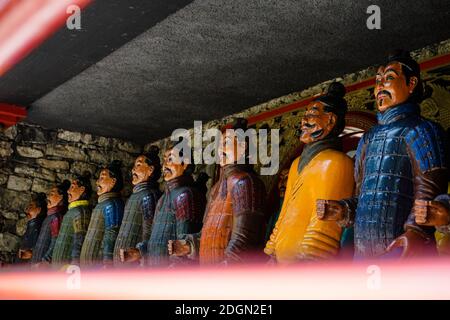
x,y
360,119
11,114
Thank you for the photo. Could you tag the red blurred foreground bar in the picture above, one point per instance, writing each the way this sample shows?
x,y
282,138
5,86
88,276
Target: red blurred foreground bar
x,y
25,24
421,279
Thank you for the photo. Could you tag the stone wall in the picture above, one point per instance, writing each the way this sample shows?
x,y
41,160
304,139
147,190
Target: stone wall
x,y
33,159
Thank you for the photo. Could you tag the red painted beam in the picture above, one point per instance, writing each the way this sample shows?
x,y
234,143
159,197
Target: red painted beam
x,y
12,110
25,24
11,114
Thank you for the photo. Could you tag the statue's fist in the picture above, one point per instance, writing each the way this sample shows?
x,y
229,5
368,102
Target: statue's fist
x,y
431,213
129,255
25,254
178,248
330,210
412,243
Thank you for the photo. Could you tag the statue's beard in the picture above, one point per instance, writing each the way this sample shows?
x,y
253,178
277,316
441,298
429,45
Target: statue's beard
x,y
317,134
314,135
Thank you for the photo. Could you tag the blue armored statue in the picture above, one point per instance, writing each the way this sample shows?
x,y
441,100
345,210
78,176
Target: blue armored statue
x,y
398,161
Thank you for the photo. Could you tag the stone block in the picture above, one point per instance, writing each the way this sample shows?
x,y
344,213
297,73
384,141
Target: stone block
x,y
9,242
40,185
3,178
5,149
19,183
14,200
129,147
29,152
59,165
66,151
40,173
80,167
10,215
69,136
10,133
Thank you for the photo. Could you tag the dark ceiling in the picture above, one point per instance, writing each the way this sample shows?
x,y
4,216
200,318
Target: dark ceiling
x,y
140,69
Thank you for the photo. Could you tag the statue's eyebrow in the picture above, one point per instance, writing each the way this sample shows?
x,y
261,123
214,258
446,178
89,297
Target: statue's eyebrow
x,y
391,70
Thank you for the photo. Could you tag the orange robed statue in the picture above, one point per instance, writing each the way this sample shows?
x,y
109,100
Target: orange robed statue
x,y
322,171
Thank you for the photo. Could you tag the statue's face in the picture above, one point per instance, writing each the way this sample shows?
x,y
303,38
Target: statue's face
x,y
53,198
173,165
391,88
141,171
231,150
105,183
283,181
75,191
32,210
316,123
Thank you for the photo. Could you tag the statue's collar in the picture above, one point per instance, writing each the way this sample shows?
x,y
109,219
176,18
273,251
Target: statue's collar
x,y
229,169
78,203
180,181
398,112
109,195
146,185
56,209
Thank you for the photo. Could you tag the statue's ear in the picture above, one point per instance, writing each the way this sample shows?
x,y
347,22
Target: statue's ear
x,y
332,121
83,191
413,81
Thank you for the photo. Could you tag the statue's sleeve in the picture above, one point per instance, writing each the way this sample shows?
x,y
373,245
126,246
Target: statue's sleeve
x,y
80,225
147,208
30,237
113,214
426,148
188,212
352,202
189,206
55,224
270,245
247,234
322,238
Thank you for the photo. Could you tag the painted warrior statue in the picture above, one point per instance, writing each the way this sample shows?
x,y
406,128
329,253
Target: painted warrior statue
x,y
234,223
179,210
57,200
98,245
36,211
322,170
139,209
398,161
75,222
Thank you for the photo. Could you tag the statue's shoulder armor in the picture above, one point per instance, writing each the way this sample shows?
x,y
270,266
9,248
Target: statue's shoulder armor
x,y
248,191
148,202
113,212
187,203
426,142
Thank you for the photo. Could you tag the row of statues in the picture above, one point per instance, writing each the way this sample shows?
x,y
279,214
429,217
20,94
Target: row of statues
x,y
391,198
